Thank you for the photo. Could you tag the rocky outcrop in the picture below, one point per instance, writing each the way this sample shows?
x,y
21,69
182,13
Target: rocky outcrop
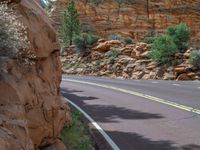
x,y
137,19
127,61
32,112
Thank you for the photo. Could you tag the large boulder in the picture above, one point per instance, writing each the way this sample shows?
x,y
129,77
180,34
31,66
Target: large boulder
x,y
32,112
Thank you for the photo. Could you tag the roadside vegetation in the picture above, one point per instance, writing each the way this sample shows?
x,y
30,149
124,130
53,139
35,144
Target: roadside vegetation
x,y
77,136
164,47
195,59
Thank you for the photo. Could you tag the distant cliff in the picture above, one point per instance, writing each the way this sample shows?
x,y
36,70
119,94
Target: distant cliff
x,y
136,18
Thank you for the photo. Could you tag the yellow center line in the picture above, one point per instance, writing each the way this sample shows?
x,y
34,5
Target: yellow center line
x,y
148,97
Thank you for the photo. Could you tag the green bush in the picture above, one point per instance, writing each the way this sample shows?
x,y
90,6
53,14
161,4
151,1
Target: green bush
x,y
195,59
90,38
180,35
114,53
163,49
128,40
80,44
115,37
82,41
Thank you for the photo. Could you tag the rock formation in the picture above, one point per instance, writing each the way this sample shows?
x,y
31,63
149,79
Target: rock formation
x,y
32,112
127,61
137,19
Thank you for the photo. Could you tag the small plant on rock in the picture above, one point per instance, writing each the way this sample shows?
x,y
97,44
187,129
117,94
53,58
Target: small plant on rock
x,y
195,58
115,37
90,38
112,55
128,40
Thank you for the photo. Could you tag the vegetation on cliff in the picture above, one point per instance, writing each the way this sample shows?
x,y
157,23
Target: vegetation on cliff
x,y
14,42
165,47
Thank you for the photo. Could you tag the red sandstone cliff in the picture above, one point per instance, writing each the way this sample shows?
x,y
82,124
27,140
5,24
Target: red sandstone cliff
x,y
137,19
32,112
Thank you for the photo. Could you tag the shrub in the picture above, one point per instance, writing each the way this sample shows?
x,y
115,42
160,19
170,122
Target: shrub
x,y
180,35
195,59
90,38
82,41
128,40
80,44
115,37
114,53
163,49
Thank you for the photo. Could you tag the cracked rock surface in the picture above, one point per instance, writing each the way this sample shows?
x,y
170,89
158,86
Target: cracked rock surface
x,y
32,112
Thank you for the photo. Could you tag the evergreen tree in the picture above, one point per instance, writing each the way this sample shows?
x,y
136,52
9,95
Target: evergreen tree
x,y
70,24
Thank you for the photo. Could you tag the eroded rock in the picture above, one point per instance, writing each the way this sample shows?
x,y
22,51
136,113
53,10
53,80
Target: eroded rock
x,y
32,112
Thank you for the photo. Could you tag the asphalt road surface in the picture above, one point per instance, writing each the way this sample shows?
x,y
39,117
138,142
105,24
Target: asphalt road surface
x,y
138,114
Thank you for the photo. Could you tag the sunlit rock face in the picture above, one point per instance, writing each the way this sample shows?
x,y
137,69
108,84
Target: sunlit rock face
x,y
136,19
32,112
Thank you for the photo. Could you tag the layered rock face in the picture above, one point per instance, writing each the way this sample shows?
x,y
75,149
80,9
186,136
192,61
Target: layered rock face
x,y
136,19
32,112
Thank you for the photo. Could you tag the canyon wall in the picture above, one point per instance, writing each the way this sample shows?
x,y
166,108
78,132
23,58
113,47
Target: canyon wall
x,y
32,112
137,19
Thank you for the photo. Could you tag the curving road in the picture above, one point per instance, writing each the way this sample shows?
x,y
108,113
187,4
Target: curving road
x,y
140,115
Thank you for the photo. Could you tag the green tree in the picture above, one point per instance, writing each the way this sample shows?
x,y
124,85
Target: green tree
x,y
70,24
180,35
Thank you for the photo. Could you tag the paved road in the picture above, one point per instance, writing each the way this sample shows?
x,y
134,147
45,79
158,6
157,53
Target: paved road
x,y
133,119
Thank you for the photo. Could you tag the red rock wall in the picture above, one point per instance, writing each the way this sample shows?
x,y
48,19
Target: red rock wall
x,y
32,112
135,19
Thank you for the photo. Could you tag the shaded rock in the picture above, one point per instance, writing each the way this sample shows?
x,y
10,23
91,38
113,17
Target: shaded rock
x,y
105,46
183,77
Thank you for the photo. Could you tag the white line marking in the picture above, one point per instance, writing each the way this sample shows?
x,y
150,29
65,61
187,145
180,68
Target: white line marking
x,y
148,97
103,133
176,84
154,82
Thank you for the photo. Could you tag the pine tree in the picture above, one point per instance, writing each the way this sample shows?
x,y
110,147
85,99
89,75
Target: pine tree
x,y
70,24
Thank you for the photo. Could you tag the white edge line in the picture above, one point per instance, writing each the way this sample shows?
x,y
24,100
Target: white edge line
x,y
103,133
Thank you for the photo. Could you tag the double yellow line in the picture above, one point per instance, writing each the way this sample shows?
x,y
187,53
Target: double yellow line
x,y
148,97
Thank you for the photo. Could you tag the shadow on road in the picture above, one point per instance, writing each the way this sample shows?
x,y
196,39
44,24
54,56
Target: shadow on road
x,y
106,113
110,113
139,142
